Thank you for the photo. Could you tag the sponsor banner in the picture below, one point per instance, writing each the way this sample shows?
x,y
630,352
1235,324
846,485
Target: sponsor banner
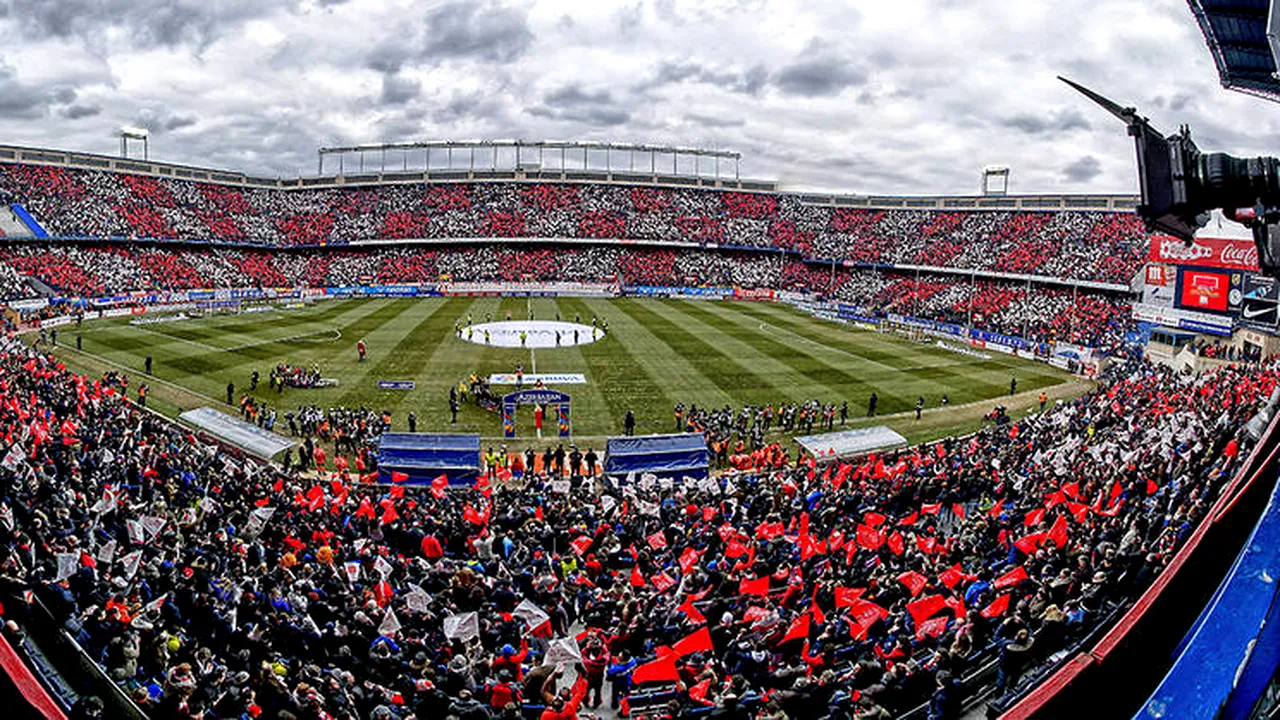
x,y
1196,326
56,321
1260,313
1158,295
1222,253
31,304
686,292
395,384
1163,275
764,294
531,379
1261,287
1175,317
1008,341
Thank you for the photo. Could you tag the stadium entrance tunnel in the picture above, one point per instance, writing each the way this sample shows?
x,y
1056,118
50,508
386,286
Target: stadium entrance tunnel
x,y
531,334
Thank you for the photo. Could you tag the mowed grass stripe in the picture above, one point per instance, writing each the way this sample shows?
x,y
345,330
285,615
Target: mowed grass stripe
x,y
423,334
624,383
968,378
591,412
679,376
809,376
746,385
245,328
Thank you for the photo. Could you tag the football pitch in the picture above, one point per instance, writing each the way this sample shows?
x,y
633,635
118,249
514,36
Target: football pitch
x,y
657,353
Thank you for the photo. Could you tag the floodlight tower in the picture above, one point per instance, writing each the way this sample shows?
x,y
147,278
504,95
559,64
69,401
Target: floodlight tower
x,y
995,180
128,133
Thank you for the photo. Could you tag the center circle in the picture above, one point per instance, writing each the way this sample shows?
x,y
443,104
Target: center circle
x,y
537,334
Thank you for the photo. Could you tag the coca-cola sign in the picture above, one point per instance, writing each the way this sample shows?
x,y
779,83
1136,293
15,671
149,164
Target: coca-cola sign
x,y
1222,253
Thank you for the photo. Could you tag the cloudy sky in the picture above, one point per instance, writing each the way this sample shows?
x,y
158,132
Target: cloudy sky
x,y
909,96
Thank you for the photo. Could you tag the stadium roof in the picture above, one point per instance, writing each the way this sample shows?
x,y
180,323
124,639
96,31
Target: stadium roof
x,y
1236,32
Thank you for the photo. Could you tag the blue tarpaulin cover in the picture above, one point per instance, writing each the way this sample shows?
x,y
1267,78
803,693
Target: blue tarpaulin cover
x,y
423,457
663,455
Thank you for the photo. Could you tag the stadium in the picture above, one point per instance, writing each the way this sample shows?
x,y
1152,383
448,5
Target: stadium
x,y
586,429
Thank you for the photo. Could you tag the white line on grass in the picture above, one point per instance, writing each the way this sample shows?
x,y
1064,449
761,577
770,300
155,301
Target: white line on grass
x,y
533,359
175,338
331,335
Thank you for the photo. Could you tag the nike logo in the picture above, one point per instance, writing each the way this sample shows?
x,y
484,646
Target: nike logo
x,y
1250,313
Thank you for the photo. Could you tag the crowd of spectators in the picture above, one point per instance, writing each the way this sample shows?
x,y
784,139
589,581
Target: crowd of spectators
x,y
1035,311
1101,246
211,585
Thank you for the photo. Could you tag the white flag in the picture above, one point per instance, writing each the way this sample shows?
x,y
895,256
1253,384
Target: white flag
x,y
6,516
153,525
560,486
531,614
417,601
66,565
155,604
462,627
107,552
647,508
353,571
209,505
383,567
666,483
391,624
131,562
136,533
14,458
563,650
607,503
258,520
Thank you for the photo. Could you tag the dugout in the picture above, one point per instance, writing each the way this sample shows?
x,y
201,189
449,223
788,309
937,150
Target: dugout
x,y
673,456
424,457
845,444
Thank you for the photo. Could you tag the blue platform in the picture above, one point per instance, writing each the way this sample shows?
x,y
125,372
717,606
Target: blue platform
x,y
673,456
424,457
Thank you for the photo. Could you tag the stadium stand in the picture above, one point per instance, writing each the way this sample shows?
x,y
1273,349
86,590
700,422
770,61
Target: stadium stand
x,y
1075,245
205,582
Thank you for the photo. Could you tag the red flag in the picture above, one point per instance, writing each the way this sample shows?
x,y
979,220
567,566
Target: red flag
x,y
699,692
1072,490
799,629
661,670
690,611
957,606
931,509
768,531
931,628
637,579
818,616
438,486
1058,533
910,519
996,608
399,477
759,586
951,576
1079,511
1116,489
995,509
657,541
869,537
688,559
397,491
1033,518
662,581
735,549
1013,577
873,519
1152,487
699,641
914,581
475,517
279,485
389,514
867,613
1028,543
926,607
846,596
896,544
366,508
958,509
581,544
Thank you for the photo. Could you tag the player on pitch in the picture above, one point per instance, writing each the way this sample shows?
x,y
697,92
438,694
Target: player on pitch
x,y
360,348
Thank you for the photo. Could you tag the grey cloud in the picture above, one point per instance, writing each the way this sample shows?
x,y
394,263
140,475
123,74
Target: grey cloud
x,y
819,71
78,112
630,17
482,31
1082,170
398,90
148,24
177,122
1060,121
571,102
749,82
716,122
20,100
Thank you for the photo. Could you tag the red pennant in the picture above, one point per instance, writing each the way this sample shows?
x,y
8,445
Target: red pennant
x,y
759,586
996,608
798,630
399,477
846,596
699,641
925,608
1011,578
896,544
914,581
581,544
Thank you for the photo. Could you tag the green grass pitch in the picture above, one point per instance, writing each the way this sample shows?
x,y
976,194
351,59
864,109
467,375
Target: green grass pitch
x,y
658,353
